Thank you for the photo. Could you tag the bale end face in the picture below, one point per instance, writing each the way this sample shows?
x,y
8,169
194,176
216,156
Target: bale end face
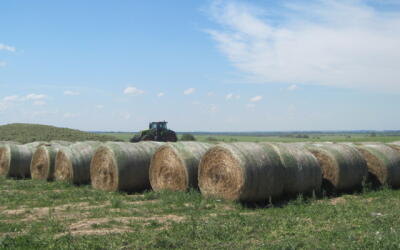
x,y
167,171
328,166
376,167
5,161
63,170
220,174
103,170
40,165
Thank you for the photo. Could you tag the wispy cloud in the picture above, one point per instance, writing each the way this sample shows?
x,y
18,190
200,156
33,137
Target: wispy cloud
x,y
71,93
2,64
256,98
35,99
7,47
189,91
35,96
133,91
231,96
11,98
325,42
292,87
39,103
161,94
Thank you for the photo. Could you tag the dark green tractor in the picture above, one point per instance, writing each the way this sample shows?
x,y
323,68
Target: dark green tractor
x,y
157,131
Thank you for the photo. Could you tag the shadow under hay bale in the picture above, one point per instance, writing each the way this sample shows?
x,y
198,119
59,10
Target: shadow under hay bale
x,y
248,172
43,160
383,163
15,160
174,166
72,163
343,167
118,166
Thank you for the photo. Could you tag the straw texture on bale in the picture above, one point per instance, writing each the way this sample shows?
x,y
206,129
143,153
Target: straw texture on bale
x,y
72,163
383,163
302,173
343,167
43,160
15,160
241,171
119,166
175,166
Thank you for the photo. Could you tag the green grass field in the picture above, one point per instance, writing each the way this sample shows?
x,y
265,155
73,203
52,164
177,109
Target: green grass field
x,y
311,137
41,215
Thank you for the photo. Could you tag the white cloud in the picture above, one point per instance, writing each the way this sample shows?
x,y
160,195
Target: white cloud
x,y
11,98
70,115
292,87
213,108
210,93
229,96
99,106
7,47
35,97
2,64
133,91
125,115
250,105
325,42
39,103
160,94
256,98
189,91
71,93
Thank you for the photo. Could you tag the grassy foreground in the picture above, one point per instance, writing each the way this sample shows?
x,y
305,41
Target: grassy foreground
x,y
41,215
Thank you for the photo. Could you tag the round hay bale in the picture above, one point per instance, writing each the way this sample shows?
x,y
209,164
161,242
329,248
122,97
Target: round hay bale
x,y
15,160
119,166
43,160
175,166
383,163
343,167
301,169
394,145
72,164
241,171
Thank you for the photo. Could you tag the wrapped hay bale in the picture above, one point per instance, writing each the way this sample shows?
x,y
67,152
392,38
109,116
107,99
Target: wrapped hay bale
x,y
72,164
343,167
174,166
15,160
119,166
394,145
302,171
383,163
241,171
43,160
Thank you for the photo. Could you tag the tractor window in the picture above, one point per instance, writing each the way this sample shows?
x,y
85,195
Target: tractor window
x,y
163,125
153,125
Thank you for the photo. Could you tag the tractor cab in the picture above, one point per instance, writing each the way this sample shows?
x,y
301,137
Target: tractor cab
x,y
157,131
158,125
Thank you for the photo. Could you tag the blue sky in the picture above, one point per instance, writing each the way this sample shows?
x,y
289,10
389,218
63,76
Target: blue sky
x,y
209,65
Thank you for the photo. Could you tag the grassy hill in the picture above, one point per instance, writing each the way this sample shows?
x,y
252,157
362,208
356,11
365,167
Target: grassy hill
x,y
25,133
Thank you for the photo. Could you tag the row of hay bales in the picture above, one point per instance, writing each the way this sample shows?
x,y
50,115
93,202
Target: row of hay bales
x,y
234,171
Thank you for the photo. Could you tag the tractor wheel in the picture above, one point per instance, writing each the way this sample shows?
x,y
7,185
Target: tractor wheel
x,y
170,136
